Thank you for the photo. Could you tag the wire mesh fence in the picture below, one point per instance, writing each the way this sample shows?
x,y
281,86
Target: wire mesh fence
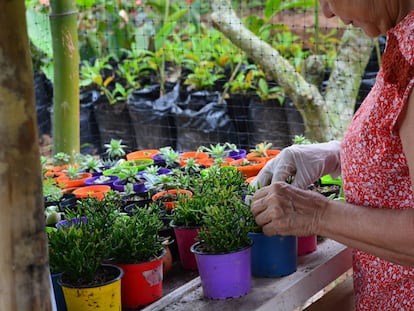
x,y
165,73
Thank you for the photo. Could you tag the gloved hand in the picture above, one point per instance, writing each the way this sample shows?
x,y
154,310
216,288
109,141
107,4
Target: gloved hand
x,y
306,163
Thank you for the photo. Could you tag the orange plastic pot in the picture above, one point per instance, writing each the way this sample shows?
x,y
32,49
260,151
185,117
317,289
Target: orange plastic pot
x,y
97,191
249,170
208,162
192,154
270,154
170,194
142,154
65,182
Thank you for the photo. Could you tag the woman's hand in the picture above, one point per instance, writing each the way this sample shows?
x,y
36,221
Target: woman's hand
x,y
286,210
306,163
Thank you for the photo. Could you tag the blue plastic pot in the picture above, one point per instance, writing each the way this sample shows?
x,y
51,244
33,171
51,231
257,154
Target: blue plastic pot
x,y
274,256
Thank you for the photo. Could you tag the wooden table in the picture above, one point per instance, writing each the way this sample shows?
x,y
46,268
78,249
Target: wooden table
x,y
315,271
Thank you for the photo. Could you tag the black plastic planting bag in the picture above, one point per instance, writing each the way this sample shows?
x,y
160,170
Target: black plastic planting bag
x,y
114,122
90,141
238,108
202,120
151,117
268,123
44,101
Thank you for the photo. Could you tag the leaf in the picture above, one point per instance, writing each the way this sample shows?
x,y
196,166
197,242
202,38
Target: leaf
x,y
163,34
38,27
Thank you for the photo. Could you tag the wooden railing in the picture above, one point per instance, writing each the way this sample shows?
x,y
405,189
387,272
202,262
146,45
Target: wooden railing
x,y
315,271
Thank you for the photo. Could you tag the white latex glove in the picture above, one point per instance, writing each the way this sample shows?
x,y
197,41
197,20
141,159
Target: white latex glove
x,y
306,163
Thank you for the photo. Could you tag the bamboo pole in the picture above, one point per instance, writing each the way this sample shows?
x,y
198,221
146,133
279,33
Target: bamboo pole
x,y
24,281
65,120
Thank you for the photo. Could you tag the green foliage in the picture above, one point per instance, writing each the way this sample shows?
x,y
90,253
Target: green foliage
x,y
170,156
225,226
73,172
217,185
88,163
51,192
135,239
115,149
219,150
61,158
79,248
261,149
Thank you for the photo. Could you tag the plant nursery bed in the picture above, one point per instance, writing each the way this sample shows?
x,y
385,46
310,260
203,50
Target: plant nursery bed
x,y
314,272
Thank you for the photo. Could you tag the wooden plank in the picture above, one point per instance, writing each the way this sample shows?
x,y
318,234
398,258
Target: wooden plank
x,y
315,271
340,298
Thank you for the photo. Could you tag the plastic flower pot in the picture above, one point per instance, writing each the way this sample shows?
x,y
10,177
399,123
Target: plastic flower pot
x,y
272,153
208,162
142,154
169,197
138,187
65,182
192,155
141,283
237,154
105,296
273,256
57,290
97,191
307,244
224,276
101,180
250,168
186,237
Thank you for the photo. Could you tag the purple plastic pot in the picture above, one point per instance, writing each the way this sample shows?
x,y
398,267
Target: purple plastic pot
x,y
224,275
237,154
161,171
119,185
94,181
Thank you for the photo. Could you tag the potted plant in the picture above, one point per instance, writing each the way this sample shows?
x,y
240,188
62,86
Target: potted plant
x,y
222,241
115,149
262,150
73,177
249,167
78,249
187,216
272,256
138,250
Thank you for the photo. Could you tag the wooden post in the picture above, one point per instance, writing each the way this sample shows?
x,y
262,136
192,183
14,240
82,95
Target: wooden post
x,y
24,281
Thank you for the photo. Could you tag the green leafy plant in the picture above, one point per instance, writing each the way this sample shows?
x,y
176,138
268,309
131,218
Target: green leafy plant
x,y
170,156
115,149
73,172
135,239
79,248
261,149
219,150
61,158
51,192
226,225
88,163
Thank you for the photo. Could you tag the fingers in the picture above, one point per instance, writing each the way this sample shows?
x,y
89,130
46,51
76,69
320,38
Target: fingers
x,y
284,209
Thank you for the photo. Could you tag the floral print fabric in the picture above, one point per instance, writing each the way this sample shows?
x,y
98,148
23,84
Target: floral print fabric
x,y
375,171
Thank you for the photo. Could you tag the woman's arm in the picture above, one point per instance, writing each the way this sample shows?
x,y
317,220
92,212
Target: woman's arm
x,y
387,233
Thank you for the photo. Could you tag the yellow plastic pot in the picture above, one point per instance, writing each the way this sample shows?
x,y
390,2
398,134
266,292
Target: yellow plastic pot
x,y
104,297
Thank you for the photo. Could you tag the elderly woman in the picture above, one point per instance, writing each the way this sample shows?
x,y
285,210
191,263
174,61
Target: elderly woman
x,y
376,160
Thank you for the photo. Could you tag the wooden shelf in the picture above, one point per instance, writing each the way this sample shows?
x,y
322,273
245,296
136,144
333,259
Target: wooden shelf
x,y
315,271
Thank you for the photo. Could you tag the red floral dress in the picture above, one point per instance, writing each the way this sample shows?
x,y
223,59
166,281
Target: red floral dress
x,y
375,171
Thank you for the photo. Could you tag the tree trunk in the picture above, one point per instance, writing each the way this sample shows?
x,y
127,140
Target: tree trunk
x,y
65,121
24,281
324,118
